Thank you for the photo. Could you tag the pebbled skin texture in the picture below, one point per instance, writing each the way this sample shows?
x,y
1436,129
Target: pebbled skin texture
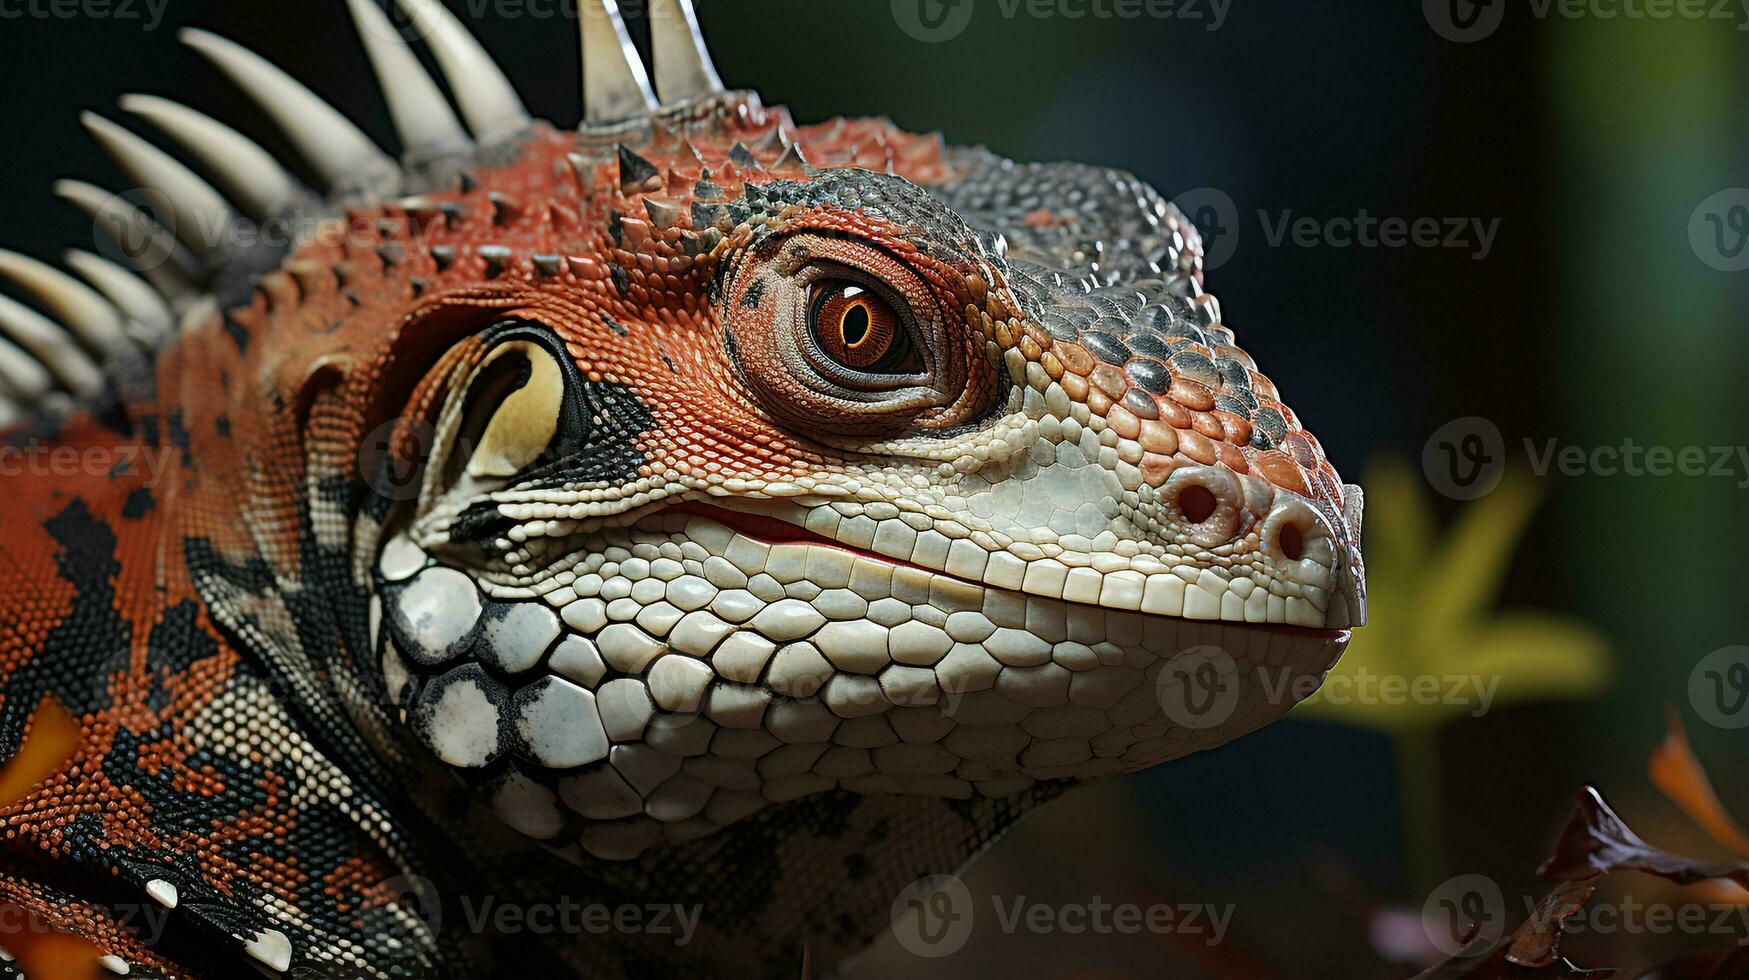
x,y
377,640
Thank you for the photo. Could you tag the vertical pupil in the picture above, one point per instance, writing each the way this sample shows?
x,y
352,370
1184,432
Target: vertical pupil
x,y
855,325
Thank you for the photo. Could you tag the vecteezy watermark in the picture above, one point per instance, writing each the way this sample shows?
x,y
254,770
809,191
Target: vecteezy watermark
x,y
38,459
935,21
1465,458
147,13
560,916
406,20
1365,230
1464,21
140,229
1201,687
935,916
143,920
1219,221
1473,907
1718,687
1718,230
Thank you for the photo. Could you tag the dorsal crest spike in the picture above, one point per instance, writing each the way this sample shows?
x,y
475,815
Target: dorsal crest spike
x,y
792,161
339,151
488,101
663,214
635,172
684,72
249,174
198,209
422,116
615,85
91,317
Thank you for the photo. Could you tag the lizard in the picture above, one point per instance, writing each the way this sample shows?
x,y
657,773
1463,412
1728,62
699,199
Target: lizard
x,y
690,509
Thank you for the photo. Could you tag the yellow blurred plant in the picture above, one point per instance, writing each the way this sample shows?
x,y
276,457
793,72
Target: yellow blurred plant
x,y
40,949
1435,648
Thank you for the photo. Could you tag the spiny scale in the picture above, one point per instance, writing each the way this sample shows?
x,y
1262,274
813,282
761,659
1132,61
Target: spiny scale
x,y
354,170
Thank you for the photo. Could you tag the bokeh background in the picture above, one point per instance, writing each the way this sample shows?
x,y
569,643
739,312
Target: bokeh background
x,y
1587,142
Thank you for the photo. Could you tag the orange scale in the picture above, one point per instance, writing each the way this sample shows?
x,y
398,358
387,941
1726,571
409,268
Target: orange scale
x,y
1111,380
1234,429
1192,395
1197,447
1280,469
1074,357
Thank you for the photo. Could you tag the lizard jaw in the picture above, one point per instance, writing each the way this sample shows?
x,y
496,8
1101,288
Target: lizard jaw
x,y
683,676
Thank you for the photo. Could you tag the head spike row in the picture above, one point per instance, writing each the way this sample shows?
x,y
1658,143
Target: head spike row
x,y
488,102
23,379
615,86
202,217
345,158
90,317
423,119
684,72
49,343
249,174
132,295
137,236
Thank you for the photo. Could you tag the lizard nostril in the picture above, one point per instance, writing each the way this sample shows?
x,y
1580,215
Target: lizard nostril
x,y
1196,503
1292,542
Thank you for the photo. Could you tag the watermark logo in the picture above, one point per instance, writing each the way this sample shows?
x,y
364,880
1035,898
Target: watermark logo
x,y
937,21
933,21
1463,21
1718,230
1465,458
1199,687
1219,222
933,916
1718,687
1217,219
1462,910
149,14
418,897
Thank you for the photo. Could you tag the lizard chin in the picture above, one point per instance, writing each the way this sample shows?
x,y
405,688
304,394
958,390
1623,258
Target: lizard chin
x,y
682,672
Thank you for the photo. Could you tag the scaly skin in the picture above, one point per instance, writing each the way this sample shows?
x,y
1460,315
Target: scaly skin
x,y
542,478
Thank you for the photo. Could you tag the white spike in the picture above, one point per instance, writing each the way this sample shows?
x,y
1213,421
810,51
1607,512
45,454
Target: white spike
x,y
23,377
144,243
202,217
490,105
249,173
10,414
684,71
338,150
422,116
53,346
93,319
615,86
131,294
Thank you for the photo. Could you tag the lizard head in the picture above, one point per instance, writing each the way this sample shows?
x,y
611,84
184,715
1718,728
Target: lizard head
x,y
715,463
794,459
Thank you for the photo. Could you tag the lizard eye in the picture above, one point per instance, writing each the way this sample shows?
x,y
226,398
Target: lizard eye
x,y
828,329
858,329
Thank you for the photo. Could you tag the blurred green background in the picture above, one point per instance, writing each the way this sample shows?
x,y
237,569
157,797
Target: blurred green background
x,y
1592,319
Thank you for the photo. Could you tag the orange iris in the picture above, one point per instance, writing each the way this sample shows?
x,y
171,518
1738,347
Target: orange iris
x,y
855,327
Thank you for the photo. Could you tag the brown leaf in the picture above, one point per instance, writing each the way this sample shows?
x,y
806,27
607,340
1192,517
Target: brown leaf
x,y
1679,775
1538,941
1596,842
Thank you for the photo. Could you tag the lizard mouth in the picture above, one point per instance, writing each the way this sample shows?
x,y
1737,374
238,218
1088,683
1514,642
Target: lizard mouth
x,y
701,662
771,531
